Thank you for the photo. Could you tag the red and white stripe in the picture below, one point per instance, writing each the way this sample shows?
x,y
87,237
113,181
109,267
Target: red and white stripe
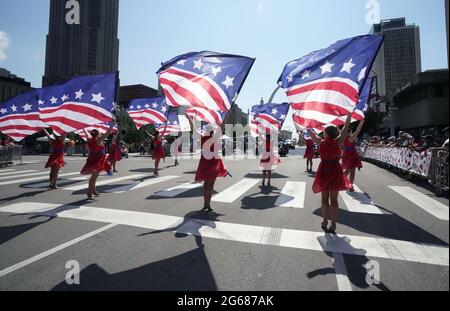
x,y
170,129
263,124
209,116
147,116
102,129
72,116
19,126
322,102
184,88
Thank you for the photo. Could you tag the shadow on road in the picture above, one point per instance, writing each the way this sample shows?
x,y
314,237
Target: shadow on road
x,y
262,200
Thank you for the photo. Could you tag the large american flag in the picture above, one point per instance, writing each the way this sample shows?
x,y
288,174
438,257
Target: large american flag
x,y
146,111
204,80
172,126
79,103
201,119
101,128
325,84
268,118
19,117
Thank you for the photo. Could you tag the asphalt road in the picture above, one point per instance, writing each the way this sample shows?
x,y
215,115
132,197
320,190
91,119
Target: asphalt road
x,y
146,233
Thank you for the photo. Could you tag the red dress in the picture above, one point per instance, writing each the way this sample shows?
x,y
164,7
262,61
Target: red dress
x,y
158,151
309,152
57,156
330,176
269,159
114,153
351,158
209,169
96,161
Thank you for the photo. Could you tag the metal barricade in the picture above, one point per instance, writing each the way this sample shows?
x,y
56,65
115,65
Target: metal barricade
x,y
440,171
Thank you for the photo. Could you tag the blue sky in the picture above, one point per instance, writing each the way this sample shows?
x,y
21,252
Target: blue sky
x,y
273,31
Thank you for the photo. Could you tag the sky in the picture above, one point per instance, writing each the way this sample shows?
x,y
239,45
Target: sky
x,y
272,31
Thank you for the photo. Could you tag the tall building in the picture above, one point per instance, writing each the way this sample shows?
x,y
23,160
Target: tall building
x,y
11,85
90,47
399,58
129,92
447,25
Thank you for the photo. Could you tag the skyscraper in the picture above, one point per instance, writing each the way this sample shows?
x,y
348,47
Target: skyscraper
x,y
399,58
90,47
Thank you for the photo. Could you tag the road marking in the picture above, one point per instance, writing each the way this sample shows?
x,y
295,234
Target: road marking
x,y
292,195
11,172
24,175
56,249
27,180
236,191
308,240
61,181
343,282
7,170
359,202
429,205
105,182
139,185
177,190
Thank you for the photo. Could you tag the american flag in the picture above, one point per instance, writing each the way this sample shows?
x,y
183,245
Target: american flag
x,y
268,118
325,84
79,103
172,126
19,117
204,80
146,111
201,119
102,129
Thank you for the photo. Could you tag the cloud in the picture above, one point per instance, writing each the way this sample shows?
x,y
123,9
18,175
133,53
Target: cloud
x,y
4,44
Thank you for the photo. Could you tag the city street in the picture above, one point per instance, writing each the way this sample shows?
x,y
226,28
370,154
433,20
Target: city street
x,y
147,233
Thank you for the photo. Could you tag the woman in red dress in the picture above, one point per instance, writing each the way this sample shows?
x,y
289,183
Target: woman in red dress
x,y
158,150
96,161
351,159
330,178
269,159
310,153
114,152
211,167
56,159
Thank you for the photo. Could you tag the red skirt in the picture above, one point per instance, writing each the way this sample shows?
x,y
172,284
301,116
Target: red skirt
x,y
55,160
309,153
269,162
330,177
158,153
114,156
209,170
351,160
96,163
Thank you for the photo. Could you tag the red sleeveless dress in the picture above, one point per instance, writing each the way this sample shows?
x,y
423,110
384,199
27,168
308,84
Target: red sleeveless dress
x,y
269,159
57,156
210,169
330,176
158,152
309,152
96,161
351,158
114,153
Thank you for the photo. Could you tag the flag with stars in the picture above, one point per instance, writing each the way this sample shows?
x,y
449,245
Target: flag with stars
x,y
325,85
204,80
205,119
101,128
19,116
268,118
146,111
79,103
172,126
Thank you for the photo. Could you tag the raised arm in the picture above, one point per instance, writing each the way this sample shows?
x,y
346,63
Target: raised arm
x,y
149,135
101,138
344,132
316,139
48,135
358,130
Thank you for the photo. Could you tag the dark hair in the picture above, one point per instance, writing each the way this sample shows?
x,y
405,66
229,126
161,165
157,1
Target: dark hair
x,y
95,133
332,132
157,133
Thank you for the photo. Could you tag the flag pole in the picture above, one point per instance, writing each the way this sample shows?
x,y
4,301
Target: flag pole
x,y
273,94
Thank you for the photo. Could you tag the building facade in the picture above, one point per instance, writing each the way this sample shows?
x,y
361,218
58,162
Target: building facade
x,y
423,102
90,47
399,59
12,85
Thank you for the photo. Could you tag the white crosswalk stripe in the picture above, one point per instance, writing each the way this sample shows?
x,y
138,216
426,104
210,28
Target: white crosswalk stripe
x,y
359,202
106,182
31,179
177,190
309,240
24,175
7,170
61,181
236,191
139,185
429,205
12,172
292,195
